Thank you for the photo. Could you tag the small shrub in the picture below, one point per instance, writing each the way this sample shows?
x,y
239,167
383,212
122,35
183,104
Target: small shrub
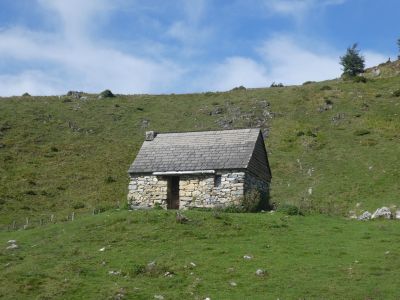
x,y
26,95
106,94
361,132
158,206
378,95
396,93
234,209
139,269
328,102
140,108
54,149
78,205
289,209
277,85
359,79
326,88
251,201
239,88
110,179
30,193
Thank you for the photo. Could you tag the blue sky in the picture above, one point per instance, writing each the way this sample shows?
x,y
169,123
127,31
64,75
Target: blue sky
x,y
52,46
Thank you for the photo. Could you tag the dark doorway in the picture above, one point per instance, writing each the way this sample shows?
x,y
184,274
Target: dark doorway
x,y
173,193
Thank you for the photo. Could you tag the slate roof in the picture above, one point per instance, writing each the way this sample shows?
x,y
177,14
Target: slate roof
x,y
195,151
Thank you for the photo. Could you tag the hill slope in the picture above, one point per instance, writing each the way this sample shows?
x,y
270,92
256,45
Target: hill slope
x,y
146,253
331,144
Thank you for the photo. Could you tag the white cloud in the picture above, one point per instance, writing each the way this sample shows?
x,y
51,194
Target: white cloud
x,y
233,72
80,62
291,63
373,58
281,59
297,9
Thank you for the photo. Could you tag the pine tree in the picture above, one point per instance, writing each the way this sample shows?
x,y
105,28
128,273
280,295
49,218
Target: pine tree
x,y
398,45
353,63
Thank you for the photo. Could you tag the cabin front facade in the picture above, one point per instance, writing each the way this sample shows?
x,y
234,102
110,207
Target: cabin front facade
x,y
199,169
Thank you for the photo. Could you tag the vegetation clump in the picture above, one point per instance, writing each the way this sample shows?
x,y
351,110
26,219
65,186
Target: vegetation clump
x,y
353,63
326,88
277,85
396,93
239,88
106,94
289,209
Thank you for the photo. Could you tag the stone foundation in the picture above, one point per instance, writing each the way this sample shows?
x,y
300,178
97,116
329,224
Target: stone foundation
x,y
206,190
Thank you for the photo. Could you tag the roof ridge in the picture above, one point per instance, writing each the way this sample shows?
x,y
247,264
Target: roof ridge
x,y
223,130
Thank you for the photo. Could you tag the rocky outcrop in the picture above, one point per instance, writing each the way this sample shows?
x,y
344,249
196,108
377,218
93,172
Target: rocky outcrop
x,y
383,212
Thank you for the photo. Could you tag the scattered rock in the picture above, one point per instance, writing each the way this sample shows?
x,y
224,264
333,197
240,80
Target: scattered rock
x,y
247,257
397,216
102,249
159,297
232,283
12,247
181,218
387,252
193,264
365,216
114,272
382,212
168,274
216,111
12,242
260,272
75,94
376,72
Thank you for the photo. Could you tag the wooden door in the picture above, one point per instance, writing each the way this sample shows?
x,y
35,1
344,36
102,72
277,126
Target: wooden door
x,y
173,193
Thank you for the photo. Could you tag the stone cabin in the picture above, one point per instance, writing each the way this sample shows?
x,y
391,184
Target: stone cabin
x,y
199,169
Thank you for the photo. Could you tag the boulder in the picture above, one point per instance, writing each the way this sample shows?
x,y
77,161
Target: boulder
x,y
397,216
365,216
383,212
260,272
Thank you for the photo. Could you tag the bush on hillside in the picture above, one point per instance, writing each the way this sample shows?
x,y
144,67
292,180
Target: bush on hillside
x,y
106,94
289,209
239,88
308,82
396,93
360,79
325,88
26,95
273,85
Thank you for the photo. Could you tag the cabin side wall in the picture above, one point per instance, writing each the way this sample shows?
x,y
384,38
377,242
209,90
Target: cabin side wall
x,y
194,190
207,192
146,191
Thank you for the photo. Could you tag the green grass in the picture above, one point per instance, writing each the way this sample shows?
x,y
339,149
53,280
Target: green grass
x,y
61,153
312,257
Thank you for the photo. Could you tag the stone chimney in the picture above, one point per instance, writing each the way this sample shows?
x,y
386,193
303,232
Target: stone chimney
x,y
150,135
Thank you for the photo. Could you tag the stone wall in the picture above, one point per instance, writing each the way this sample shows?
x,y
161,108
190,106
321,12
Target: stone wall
x,y
252,182
194,190
147,191
201,191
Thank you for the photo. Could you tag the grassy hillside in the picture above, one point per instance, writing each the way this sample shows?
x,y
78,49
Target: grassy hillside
x,y
338,139
313,257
